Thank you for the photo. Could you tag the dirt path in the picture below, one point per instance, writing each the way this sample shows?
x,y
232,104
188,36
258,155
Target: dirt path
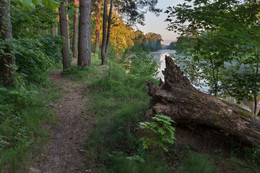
x,y
63,153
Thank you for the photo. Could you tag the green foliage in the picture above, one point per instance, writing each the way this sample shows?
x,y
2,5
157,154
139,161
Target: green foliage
x,y
76,73
252,156
34,57
34,22
148,42
31,59
200,163
217,46
132,164
51,46
120,101
162,132
22,112
142,64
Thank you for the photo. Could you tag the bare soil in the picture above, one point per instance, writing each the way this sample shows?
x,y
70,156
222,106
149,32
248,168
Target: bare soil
x,y
64,151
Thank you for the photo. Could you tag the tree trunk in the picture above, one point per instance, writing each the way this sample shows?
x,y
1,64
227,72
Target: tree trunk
x,y
255,95
75,29
6,34
104,38
98,27
54,30
109,26
187,106
84,57
106,31
64,34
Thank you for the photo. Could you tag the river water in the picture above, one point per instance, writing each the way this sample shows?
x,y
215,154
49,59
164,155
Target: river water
x,y
160,56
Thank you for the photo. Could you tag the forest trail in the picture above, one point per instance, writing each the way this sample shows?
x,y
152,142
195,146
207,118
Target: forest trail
x,y
64,151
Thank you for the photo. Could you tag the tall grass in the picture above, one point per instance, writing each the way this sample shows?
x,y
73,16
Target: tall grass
x,y
197,163
22,112
120,101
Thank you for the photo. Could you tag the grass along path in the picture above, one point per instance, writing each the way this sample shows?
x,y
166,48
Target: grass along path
x,y
63,153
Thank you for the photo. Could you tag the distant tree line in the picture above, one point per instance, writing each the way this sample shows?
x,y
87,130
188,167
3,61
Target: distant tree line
x,y
149,41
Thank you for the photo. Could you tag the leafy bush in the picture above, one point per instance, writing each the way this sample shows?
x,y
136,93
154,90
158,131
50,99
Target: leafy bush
x,y
52,46
142,64
161,131
31,60
34,56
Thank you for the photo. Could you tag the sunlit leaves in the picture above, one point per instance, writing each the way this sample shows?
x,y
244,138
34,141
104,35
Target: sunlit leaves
x,y
52,3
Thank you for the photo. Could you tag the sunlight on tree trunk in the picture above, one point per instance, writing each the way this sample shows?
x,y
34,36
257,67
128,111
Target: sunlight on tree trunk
x,y
104,38
98,27
106,31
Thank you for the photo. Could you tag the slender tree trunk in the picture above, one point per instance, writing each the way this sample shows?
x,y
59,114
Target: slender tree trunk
x,y
64,34
84,57
54,30
75,29
98,27
6,34
109,25
255,95
104,39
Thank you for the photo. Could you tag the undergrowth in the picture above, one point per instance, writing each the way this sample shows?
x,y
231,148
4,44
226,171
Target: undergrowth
x,y
23,110
120,101
199,163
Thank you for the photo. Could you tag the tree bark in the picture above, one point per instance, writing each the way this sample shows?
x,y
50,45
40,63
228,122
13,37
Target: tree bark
x,y
104,38
98,27
109,25
255,95
106,31
8,59
75,31
54,30
187,106
64,34
84,57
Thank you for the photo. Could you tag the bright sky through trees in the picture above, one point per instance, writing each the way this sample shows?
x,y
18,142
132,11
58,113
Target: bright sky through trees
x,y
157,25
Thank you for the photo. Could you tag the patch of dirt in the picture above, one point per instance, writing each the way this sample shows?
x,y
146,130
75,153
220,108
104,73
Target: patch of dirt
x,y
64,152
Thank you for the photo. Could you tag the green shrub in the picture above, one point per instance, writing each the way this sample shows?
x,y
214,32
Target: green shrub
x,y
34,56
142,64
52,47
161,132
31,60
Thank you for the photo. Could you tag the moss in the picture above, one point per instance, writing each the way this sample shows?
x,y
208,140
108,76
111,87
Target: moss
x,y
244,114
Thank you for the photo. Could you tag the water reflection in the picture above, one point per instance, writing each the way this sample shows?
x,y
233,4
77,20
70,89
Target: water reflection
x,y
160,56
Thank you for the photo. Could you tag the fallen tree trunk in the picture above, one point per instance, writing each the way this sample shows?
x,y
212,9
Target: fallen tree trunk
x,y
177,98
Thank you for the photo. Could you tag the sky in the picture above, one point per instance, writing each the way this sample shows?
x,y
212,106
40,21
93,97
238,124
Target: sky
x,y
157,25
